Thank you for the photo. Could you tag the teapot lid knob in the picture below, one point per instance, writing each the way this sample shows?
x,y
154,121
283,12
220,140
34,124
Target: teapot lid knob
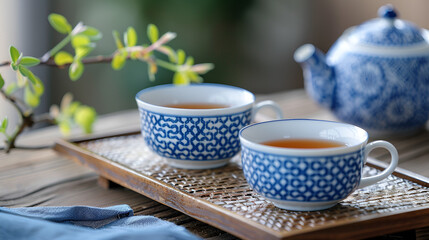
x,y
387,11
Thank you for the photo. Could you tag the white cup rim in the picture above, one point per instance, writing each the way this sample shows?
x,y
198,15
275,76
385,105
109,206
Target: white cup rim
x,y
243,104
254,142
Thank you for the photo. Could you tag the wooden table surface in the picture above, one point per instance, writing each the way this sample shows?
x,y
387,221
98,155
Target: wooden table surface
x,y
47,178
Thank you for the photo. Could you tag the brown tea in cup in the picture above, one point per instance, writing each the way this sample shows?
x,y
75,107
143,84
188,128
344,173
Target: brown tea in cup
x,y
303,143
197,105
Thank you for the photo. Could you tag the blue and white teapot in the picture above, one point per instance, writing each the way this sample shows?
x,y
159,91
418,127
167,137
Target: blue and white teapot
x,y
375,76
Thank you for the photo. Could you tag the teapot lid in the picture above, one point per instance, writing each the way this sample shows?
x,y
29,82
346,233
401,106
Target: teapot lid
x,y
387,30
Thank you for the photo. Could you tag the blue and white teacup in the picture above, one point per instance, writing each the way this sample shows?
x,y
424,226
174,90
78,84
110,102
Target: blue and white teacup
x,y
196,138
307,179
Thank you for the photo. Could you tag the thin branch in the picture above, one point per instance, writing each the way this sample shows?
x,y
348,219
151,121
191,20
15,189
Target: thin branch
x,y
56,49
106,59
50,62
166,65
90,60
5,63
27,121
15,101
142,53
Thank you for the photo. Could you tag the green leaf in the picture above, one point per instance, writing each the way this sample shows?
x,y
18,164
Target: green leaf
x,y
3,125
30,98
80,41
59,23
85,117
76,70
180,78
1,81
62,58
14,54
190,61
172,57
152,33
130,37
152,69
71,109
12,87
27,73
14,66
118,42
119,60
181,56
29,61
23,70
193,76
33,78
92,33
64,127
20,79
82,52
38,87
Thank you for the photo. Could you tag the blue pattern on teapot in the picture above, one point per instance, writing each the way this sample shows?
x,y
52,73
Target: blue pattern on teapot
x,y
376,75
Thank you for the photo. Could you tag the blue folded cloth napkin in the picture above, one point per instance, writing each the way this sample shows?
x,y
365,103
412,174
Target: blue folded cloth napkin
x,y
84,222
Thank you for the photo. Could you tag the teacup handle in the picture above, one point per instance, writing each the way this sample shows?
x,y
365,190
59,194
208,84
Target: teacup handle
x,y
267,103
366,181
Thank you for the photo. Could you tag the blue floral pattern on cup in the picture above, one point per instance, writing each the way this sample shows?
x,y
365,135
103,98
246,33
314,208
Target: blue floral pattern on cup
x,y
289,178
193,138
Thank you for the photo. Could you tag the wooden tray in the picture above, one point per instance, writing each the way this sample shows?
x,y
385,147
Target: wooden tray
x,y
222,198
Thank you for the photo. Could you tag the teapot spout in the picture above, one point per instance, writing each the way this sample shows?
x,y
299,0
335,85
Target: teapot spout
x,y
319,77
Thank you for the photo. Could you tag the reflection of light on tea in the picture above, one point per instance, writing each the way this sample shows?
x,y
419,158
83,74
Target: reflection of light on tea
x,y
197,105
303,143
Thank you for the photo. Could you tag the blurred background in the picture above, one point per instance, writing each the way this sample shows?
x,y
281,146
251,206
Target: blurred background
x,y
251,42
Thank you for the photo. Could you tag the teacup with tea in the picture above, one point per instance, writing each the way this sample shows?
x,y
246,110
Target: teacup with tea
x,y
305,164
196,126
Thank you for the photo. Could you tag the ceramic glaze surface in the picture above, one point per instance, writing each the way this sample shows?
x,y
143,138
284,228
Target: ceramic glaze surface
x,y
379,32
387,30
193,138
376,75
302,179
381,93
197,138
308,179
